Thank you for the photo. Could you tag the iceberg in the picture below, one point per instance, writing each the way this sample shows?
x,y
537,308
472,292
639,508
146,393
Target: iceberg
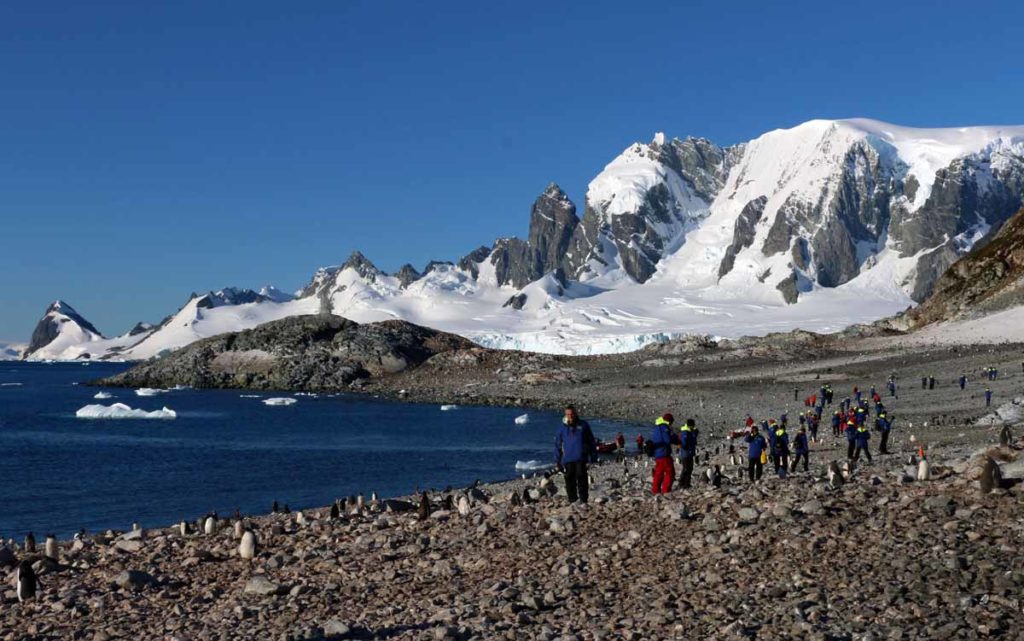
x,y
448,408
531,466
149,391
103,395
523,420
120,410
279,401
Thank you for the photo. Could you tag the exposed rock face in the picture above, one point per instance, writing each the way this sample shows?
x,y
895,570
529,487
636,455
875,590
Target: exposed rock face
x,y
516,302
987,279
743,233
300,352
407,275
57,318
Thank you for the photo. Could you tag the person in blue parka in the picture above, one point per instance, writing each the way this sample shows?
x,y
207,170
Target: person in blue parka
x,y
574,448
756,445
800,448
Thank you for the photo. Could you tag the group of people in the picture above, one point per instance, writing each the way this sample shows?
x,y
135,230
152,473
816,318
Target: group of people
x,y
767,441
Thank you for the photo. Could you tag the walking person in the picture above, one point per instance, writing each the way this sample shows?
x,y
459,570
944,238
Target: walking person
x,y
884,427
863,435
661,444
575,446
780,449
687,451
988,397
756,448
963,382
851,437
800,449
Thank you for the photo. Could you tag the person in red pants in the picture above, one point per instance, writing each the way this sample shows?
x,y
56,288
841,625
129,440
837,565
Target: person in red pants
x,y
662,439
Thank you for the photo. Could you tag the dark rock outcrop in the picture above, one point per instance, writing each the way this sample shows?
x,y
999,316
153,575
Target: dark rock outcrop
x,y
49,327
743,233
320,352
407,275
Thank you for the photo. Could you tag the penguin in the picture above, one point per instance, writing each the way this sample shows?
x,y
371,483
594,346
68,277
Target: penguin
x,y
247,546
847,468
136,527
80,534
732,460
463,506
360,503
423,512
343,506
30,543
334,511
273,508
835,476
912,460
183,528
300,518
448,503
210,525
26,580
374,499
991,476
923,470
1004,436
714,476
239,529
287,510
50,548
527,498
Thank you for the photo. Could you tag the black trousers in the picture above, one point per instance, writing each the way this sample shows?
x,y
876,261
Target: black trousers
x,y
754,468
577,486
796,461
687,474
780,461
850,446
856,453
883,447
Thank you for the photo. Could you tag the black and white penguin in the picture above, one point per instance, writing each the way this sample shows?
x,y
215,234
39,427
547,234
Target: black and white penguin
x,y
335,514
50,547
527,498
273,508
30,543
423,512
515,500
714,475
991,476
80,534
26,580
835,475
1004,436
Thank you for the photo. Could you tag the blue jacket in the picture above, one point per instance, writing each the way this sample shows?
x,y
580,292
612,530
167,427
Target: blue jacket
x,y
780,442
851,432
661,436
863,435
800,444
575,444
687,442
757,444
884,424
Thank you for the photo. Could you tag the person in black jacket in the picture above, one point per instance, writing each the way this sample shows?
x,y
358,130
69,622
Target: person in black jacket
x,y
575,446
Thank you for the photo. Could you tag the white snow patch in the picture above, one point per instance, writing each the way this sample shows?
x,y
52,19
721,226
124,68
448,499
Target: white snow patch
x,y
279,402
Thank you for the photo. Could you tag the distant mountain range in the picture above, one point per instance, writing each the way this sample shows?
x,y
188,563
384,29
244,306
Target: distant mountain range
x,y
820,226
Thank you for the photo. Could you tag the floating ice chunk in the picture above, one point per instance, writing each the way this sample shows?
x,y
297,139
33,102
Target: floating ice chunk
x,y
10,384
523,420
249,396
531,466
448,408
103,395
279,401
149,391
120,410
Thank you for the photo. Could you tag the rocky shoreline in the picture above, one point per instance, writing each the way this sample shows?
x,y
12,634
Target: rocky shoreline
x,y
883,556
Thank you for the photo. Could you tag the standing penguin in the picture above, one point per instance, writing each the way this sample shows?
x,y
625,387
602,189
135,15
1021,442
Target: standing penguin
x,y
991,476
334,511
273,507
247,546
30,543
183,528
423,512
527,498
26,580
50,548
239,529
1004,436
714,475
835,476
210,525
463,505
923,470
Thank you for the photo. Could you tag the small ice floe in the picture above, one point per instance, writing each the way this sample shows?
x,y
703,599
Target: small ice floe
x,y
149,391
249,396
10,384
279,401
448,408
307,394
523,420
120,410
531,466
103,395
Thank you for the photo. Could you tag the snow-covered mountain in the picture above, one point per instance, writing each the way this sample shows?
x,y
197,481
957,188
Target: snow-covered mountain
x,y
819,226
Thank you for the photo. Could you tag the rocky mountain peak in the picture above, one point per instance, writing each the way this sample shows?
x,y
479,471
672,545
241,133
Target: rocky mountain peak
x,y
407,275
362,265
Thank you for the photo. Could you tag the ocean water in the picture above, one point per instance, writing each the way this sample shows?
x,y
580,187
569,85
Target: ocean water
x,y
228,451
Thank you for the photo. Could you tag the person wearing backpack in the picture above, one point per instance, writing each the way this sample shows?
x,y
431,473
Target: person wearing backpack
x,y
687,451
756,448
800,449
660,447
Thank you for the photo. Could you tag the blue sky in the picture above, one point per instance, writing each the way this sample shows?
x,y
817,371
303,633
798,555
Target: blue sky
x,y
150,151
